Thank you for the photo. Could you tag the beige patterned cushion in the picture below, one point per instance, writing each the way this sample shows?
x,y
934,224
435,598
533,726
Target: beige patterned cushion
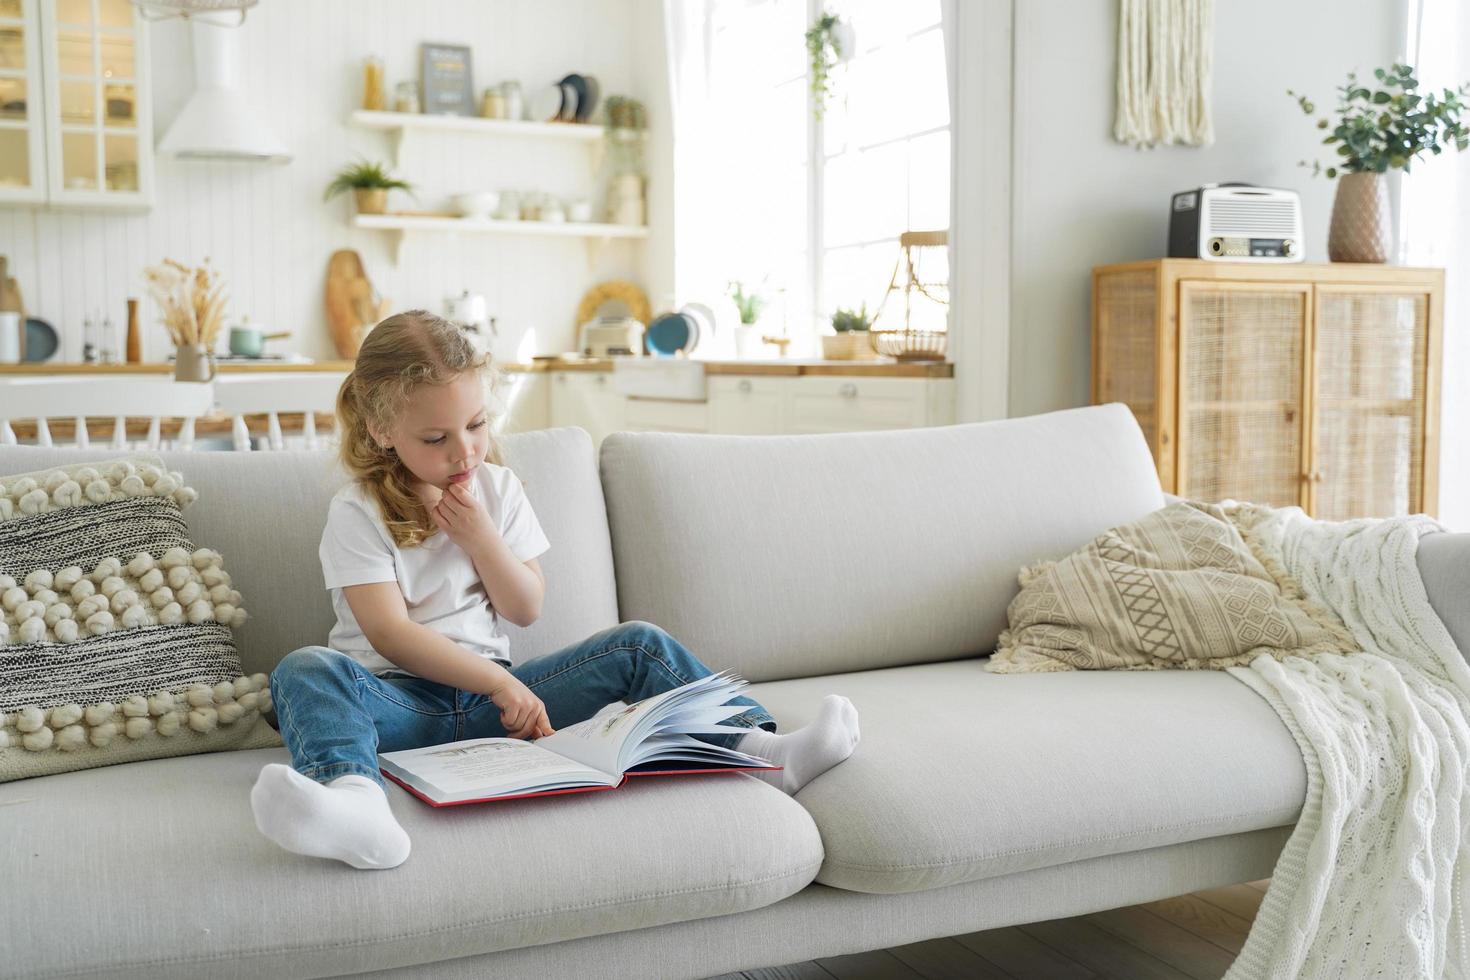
x,y
1180,588
116,632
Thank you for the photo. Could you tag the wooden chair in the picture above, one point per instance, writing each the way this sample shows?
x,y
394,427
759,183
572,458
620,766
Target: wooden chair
x,y
309,392
120,398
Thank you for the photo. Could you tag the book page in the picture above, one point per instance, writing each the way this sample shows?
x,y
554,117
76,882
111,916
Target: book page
x,y
486,767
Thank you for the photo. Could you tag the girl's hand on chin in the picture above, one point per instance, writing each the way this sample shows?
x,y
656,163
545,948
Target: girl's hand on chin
x,y
462,516
429,494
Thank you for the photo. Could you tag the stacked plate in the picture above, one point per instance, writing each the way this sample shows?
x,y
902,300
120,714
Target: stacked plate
x,y
682,331
573,99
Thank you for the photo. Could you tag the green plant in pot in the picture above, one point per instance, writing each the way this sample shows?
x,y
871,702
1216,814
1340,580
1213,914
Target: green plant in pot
x,y
852,340
1377,130
749,306
829,40
369,183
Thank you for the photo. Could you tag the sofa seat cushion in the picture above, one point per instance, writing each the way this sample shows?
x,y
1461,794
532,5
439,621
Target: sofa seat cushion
x,y
156,869
962,774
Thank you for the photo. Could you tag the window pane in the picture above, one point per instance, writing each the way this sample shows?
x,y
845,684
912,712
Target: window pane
x,y
12,98
79,160
115,13
117,56
78,102
12,47
75,53
920,67
74,11
15,163
929,182
118,104
122,162
9,8
852,277
879,22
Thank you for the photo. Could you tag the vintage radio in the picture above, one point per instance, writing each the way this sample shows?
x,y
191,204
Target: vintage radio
x,y
1236,222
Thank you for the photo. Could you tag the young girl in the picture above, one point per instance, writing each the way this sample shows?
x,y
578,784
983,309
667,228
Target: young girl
x,y
429,547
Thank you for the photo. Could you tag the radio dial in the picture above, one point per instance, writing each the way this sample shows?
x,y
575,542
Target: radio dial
x,y
1288,247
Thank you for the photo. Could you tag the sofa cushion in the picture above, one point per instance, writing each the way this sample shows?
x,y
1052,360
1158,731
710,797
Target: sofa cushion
x,y
788,556
156,870
962,774
266,510
1444,564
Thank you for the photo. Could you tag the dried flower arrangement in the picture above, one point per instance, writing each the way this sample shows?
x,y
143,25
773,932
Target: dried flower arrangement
x,y
192,300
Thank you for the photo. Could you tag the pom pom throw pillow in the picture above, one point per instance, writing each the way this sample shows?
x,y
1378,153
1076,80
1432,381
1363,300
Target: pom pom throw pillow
x,y
116,640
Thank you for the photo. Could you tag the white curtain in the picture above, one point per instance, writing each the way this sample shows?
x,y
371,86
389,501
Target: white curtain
x,y
690,30
1434,198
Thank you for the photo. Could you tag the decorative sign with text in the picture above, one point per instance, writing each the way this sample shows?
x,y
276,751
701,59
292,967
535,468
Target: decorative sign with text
x,y
445,74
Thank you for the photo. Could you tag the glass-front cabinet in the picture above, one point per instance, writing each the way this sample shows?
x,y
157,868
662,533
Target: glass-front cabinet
x,y
74,103
22,128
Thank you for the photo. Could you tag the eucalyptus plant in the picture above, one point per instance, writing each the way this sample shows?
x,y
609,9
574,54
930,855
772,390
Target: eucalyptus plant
x,y
1389,126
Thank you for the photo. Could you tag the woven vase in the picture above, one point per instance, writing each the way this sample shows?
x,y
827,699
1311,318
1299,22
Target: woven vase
x,y
1361,229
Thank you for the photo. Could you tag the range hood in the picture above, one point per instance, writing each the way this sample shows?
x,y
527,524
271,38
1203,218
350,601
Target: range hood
x,y
218,122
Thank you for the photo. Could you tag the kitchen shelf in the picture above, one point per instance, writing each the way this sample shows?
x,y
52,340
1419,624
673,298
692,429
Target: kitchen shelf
x,y
400,123
595,234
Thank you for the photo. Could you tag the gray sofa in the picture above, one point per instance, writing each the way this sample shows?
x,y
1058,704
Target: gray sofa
x,y
876,565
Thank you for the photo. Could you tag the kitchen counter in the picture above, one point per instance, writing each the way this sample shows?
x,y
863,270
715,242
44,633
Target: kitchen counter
x,y
773,367
776,367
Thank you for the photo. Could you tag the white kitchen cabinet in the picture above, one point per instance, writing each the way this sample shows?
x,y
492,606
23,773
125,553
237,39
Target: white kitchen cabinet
x,y
665,415
523,401
747,406
848,404
75,116
586,399
743,405
22,125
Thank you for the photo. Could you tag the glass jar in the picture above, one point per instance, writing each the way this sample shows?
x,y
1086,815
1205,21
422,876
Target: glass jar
x,y
373,96
492,104
406,97
515,101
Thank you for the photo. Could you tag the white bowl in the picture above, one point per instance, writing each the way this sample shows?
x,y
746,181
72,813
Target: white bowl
x,y
479,204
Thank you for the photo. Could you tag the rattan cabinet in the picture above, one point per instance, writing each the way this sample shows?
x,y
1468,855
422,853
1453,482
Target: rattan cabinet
x,y
1314,385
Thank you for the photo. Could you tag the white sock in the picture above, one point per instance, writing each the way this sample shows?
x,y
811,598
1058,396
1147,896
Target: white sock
x,y
807,752
347,819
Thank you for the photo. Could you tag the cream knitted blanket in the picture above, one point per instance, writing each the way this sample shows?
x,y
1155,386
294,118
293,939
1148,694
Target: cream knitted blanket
x,y
1330,623
1373,881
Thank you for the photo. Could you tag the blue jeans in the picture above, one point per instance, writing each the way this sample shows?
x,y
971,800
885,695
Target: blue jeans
x,y
336,716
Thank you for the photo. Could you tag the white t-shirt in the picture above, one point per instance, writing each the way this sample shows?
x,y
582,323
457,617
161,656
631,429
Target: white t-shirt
x,y
440,585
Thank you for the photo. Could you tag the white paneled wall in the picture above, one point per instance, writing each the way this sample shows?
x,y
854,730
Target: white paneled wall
x,y
266,228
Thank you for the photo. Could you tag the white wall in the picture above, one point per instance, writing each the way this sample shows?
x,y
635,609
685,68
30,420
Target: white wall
x,y
266,227
1082,199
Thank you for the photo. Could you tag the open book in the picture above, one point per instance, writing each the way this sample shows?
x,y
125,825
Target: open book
x,y
646,738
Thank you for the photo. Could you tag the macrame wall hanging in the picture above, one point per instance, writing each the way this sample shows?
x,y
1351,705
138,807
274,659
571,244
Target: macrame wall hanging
x,y
1164,55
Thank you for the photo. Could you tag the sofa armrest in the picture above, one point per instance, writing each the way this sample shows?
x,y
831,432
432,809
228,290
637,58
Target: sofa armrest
x,y
1444,564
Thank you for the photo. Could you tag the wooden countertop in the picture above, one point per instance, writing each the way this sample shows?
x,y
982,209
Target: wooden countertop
x,y
780,368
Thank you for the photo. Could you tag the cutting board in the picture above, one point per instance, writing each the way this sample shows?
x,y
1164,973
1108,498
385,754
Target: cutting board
x,y
10,291
353,305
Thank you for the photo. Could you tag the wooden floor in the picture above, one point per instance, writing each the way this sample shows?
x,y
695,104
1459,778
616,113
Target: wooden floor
x,y
1192,937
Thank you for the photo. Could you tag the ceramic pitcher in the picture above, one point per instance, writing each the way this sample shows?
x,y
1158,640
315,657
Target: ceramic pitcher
x,y
193,363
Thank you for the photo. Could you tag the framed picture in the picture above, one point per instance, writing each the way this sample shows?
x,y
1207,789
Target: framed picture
x,y
445,75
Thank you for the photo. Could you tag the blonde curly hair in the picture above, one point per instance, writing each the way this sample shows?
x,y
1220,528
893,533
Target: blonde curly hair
x,y
400,355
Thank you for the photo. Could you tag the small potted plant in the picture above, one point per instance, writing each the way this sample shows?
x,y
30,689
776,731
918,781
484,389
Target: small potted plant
x,y
1376,131
853,339
369,183
748,334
